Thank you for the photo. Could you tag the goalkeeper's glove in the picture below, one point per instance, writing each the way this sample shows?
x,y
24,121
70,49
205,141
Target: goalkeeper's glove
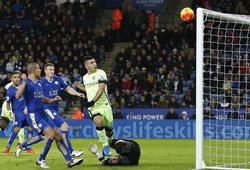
x,y
89,104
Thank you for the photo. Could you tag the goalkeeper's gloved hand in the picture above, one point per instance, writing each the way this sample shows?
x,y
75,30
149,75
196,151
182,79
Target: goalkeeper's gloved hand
x,y
89,104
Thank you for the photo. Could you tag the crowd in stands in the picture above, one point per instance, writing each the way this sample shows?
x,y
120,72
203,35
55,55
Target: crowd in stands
x,y
157,69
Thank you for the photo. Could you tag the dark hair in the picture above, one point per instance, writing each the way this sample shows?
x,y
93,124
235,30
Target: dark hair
x,y
86,58
15,72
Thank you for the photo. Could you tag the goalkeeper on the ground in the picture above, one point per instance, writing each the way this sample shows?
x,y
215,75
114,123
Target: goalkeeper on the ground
x,y
128,153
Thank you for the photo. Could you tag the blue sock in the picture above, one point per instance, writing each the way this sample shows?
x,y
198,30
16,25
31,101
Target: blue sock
x,y
32,140
30,134
63,149
46,146
66,139
11,138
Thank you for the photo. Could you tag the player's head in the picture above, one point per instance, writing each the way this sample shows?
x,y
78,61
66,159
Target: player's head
x,y
15,77
49,69
90,63
34,69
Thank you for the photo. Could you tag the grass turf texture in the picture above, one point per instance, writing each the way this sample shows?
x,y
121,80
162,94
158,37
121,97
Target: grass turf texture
x,y
159,154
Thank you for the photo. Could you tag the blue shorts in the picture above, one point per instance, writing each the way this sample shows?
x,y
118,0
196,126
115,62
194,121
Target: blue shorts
x,y
21,119
55,117
41,123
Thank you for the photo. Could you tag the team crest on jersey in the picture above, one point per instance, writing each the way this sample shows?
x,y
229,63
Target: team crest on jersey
x,y
15,123
93,78
54,113
102,78
39,125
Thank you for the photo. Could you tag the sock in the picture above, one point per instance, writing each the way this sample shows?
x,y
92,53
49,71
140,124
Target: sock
x,y
109,138
46,146
32,140
63,149
30,134
21,135
102,135
66,140
11,138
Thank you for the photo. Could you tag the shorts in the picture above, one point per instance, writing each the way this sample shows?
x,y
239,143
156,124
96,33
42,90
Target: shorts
x,y
5,112
21,120
106,112
55,117
40,124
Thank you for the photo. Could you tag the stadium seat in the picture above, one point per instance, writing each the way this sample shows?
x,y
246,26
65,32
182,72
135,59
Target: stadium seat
x,y
192,76
184,83
180,96
185,89
189,82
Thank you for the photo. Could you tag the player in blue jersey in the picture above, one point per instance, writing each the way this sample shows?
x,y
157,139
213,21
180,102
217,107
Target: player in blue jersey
x,y
20,110
52,86
32,91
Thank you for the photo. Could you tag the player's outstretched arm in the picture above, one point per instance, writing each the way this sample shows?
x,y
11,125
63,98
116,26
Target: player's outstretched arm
x,y
56,99
72,91
21,88
79,86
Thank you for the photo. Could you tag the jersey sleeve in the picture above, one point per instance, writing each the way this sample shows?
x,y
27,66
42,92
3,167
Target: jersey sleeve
x,y
64,85
102,77
9,95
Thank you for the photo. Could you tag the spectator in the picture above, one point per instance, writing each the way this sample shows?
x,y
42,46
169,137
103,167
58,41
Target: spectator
x,y
194,115
247,115
51,57
184,115
208,114
10,65
123,103
118,114
152,104
142,102
132,102
114,103
224,104
213,104
117,23
176,86
189,99
171,114
78,114
173,103
233,114
136,87
126,82
162,103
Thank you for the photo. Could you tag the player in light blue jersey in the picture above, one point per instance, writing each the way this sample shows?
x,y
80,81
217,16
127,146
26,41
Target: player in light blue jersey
x,y
20,112
52,86
95,85
32,91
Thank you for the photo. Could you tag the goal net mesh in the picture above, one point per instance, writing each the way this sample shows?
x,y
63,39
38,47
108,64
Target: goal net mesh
x,y
226,91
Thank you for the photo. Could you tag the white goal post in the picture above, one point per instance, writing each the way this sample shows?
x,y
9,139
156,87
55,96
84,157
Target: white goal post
x,y
222,142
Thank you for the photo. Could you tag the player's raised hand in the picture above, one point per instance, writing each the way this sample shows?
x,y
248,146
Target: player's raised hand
x,y
24,77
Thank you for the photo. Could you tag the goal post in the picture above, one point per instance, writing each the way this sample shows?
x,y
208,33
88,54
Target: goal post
x,y
222,141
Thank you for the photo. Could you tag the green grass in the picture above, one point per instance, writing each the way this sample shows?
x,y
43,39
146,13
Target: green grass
x,y
159,154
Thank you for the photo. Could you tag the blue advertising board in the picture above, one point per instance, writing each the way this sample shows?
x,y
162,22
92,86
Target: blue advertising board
x,y
158,129
148,5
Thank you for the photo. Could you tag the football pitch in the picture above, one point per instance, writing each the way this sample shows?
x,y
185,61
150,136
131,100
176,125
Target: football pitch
x,y
159,154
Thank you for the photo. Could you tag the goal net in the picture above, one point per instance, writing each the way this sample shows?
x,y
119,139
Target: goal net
x,y
223,91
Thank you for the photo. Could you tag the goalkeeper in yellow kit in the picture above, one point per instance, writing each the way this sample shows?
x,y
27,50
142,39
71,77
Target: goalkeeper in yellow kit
x,y
95,85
